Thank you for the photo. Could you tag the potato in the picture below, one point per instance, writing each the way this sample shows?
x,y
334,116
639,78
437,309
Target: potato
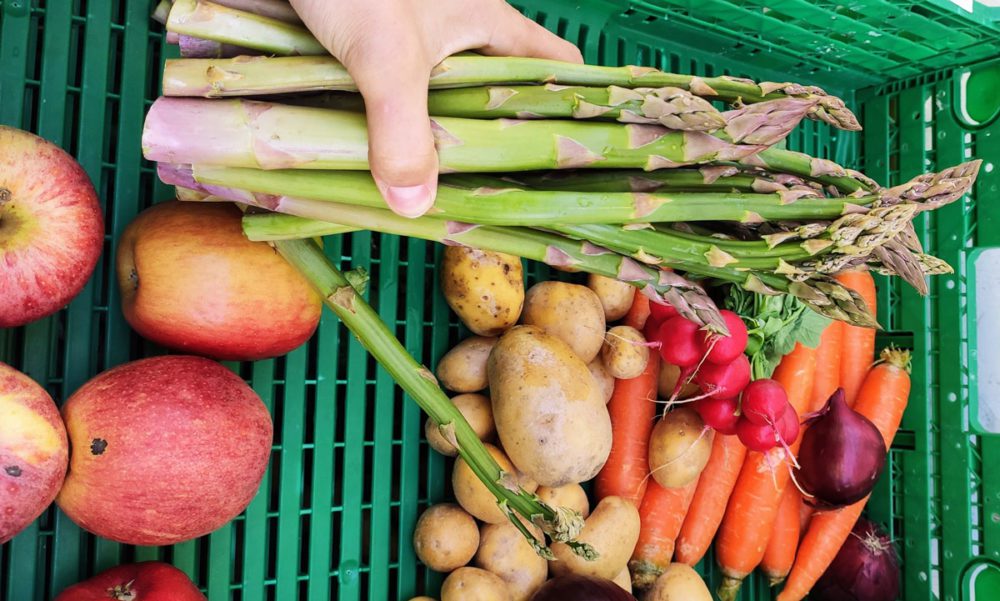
x,y
549,414
679,447
422,599
567,495
474,584
612,530
570,312
679,582
446,537
485,289
473,495
668,379
504,551
477,411
463,368
605,381
624,353
615,295
624,580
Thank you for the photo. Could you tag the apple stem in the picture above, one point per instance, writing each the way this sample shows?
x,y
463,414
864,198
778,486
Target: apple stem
x,y
5,196
122,592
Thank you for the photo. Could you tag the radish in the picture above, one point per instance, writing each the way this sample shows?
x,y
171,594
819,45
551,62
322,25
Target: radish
x,y
723,349
724,381
755,437
679,340
788,426
661,312
764,402
720,414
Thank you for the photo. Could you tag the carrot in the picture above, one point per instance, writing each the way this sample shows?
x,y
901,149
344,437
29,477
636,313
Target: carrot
x,y
638,313
805,517
660,517
882,399
753,505
633,411
859,343
784,541
828,361
710,498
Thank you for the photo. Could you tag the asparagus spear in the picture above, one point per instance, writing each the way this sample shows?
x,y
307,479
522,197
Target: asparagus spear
x,y
275,9
242,133
240,77
162,11
211,21
192,47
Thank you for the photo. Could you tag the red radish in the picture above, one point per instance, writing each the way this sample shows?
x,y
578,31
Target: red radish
x,y
754,437
724,380
764,402
723,349
661,312
719,413
788,426
679,339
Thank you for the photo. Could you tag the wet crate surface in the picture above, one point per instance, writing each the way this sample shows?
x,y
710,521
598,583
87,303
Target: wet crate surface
x,y
350,471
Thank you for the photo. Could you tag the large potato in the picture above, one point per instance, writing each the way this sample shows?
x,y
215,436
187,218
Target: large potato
x,y
668,379
463,368
679,447
504,551
474,584
624,580
477,411
612,530
570,312
549,414
605,381
615,295
679,582
571,496
446,537
485,289
473,495
624,353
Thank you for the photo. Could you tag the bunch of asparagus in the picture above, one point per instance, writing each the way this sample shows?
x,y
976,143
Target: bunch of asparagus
x,y
618,171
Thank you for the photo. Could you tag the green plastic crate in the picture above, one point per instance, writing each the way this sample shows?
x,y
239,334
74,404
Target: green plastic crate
x,y
350,471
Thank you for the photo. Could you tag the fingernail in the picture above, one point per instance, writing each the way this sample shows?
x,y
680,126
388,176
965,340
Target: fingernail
x,y
409,201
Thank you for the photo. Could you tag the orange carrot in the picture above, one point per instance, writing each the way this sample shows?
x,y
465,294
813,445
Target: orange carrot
x,y
633,411
753,505
660,517
805,516
828,361
859,343
882,399
710,498
638,313
784,541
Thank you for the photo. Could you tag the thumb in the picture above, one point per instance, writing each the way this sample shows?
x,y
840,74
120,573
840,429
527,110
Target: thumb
x,y
401,149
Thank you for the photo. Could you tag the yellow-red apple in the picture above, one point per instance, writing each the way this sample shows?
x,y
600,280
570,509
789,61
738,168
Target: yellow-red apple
x,y
51,228
164,450
33,451
190,280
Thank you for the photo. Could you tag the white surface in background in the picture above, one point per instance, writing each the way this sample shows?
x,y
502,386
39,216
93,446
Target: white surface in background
x,y
987,336
964,4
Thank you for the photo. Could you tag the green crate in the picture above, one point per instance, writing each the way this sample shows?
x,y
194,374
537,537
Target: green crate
x,y
350,471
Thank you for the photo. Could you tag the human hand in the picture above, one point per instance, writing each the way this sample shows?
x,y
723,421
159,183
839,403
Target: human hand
x,y
390,46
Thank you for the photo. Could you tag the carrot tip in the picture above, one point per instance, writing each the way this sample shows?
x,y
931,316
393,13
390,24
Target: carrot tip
x,y
644,573
775,580
729,589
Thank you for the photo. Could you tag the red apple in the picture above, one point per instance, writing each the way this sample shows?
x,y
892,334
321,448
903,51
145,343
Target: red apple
x,y
146,581
51,228
164,450
190,280
33,451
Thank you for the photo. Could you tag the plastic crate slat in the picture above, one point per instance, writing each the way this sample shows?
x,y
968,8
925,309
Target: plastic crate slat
x,y
289,499
219,558
14,30
257,544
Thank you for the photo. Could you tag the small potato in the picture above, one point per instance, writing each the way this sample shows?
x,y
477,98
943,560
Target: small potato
x,y
474,584
615,295
504,551
571,496
485,289
473,495
612,530
477,411
423,599
605,381
445,538
679,582
463,368
668,379
570,312
624,353
679,447
624,580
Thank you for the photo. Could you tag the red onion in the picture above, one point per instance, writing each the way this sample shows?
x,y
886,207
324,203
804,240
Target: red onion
x,y
581,588
841,456
865,569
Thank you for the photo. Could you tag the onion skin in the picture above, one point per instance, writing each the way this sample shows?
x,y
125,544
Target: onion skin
x,y
841,456
865,569
581,588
